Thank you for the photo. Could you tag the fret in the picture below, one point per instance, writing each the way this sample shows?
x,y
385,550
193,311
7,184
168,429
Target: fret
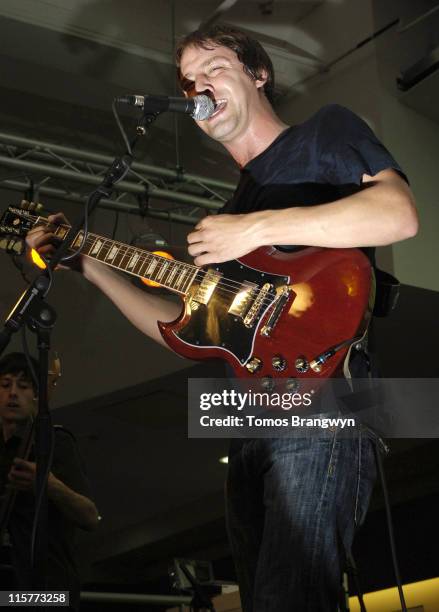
x,y
181,276
162,269
97,245
144,265
78,240
172,274
151,267
191,280
121,252
112,253
102,253
126,259
139,263
132,262
62,231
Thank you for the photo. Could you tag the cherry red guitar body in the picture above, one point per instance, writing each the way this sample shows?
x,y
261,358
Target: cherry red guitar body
x,y
271,313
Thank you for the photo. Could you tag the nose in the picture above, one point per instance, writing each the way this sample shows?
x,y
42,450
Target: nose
x,y
202,84
13,389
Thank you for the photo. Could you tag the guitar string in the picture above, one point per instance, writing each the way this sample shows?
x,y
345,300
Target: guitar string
x,y
226,282
145,256
228,285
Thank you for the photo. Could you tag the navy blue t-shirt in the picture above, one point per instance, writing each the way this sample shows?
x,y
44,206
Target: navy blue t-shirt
x,y
319,161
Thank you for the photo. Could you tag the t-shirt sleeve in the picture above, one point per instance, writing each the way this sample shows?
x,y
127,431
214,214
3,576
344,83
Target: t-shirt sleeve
x,y
68,465
348,148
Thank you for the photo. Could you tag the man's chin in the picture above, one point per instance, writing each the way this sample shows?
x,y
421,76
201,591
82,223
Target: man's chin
x,y
221,132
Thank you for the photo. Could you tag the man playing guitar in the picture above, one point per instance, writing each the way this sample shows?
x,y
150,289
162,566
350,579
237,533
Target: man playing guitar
x,y
292,504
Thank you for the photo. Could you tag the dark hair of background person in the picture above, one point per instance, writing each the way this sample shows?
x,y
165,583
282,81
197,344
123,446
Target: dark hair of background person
x,y
248,50
16,363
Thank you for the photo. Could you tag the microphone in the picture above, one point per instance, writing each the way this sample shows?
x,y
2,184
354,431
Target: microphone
x,y
199,107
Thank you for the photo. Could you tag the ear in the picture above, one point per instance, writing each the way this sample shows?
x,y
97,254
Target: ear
x,y
262,79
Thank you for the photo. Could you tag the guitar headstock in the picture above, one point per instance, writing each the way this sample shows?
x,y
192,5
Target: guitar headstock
x,y
15,223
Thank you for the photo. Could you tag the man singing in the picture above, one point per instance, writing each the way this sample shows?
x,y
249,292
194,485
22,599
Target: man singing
x,y
292,504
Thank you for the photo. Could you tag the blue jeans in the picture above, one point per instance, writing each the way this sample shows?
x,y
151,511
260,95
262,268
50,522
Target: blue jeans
x,y
292,508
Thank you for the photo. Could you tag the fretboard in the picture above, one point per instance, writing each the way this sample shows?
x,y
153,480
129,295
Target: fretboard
x,y
174,275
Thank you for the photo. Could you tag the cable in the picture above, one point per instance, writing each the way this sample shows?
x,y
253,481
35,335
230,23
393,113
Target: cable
x,y
390,528
40,497
28,357
121,128
116,223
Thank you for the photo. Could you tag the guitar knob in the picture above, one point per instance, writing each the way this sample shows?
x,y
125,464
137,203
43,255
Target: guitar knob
x,y
292,385
267,383
279,363
301,364
254,365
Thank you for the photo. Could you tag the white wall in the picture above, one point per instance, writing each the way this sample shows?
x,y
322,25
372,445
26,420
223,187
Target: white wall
x,y
412,139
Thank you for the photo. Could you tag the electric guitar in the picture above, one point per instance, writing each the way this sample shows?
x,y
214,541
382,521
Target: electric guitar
x,y
269,314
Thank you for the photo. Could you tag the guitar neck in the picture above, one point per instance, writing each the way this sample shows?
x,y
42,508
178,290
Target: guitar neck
x,y
175,275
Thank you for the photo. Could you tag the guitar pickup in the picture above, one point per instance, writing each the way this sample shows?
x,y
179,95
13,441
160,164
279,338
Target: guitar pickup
x,y
207,287
242,300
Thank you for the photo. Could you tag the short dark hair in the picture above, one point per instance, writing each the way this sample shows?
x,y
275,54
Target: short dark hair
x,y
16,363
249,51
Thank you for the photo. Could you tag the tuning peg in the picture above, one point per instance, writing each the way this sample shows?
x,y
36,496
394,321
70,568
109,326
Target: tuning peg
x,y
31,206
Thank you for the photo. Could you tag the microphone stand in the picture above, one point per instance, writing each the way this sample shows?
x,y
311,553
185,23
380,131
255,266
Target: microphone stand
x,y
200,600
32,310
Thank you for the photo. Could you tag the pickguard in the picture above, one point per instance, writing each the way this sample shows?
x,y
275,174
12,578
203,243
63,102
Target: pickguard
x,y
211,325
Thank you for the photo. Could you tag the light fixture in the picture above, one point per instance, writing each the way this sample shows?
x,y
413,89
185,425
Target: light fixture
x,y
37,260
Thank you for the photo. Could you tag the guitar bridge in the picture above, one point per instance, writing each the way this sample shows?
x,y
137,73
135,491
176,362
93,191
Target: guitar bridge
x,y
254,310
282,299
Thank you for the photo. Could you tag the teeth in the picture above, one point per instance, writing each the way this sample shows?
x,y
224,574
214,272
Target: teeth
x,y
219,104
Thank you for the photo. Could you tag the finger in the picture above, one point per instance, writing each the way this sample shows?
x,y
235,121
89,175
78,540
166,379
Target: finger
x,y
46,250
196,249
58,218
23,464
204,259
16,479
44,239
33,235
195,237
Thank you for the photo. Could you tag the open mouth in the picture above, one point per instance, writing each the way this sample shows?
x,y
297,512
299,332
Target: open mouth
x,y
219,106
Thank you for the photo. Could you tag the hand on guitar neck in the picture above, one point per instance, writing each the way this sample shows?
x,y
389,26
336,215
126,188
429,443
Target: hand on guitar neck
x,y
44,240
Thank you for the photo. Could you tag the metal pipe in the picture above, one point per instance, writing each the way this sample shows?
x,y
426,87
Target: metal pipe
x,y
136,598
82,177
116,205
106,160
92,167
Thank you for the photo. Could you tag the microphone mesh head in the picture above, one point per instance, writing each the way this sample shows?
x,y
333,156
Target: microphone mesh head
x,y
204,108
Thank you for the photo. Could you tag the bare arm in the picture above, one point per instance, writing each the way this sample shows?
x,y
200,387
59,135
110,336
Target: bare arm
x,y
381,213
77,508
143,310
